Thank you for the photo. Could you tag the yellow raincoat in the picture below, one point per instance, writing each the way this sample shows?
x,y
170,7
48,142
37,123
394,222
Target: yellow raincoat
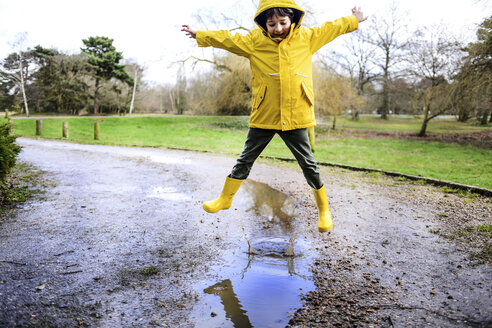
x,y
283,97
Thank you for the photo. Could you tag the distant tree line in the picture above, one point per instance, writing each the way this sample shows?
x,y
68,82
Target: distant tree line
x,y
96,80
384,68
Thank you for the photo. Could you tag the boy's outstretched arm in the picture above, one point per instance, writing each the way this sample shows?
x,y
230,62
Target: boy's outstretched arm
x,y
357,12
238,44
328,31
189,31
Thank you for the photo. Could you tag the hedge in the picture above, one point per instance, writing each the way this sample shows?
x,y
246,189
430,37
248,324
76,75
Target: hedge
x,y
8,150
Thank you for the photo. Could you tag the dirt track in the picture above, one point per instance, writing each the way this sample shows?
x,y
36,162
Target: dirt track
x,y
119,239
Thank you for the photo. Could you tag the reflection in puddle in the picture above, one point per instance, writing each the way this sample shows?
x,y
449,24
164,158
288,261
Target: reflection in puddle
x,y
229,300
259,295
167,193
269,202
120,151
260,283
169,160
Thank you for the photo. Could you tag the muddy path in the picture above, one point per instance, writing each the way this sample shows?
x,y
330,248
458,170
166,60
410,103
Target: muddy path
x,y
119,239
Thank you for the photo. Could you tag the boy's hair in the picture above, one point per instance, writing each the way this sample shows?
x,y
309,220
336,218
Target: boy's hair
x,y
294,15
278,11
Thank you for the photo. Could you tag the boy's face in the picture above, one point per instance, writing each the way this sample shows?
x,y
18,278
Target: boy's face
x,y
278,26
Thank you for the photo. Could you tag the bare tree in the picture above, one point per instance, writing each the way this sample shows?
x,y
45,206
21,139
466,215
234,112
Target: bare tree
x,y
433,57
334,92
136,71
178,94
356,59
133,92
388,34
18,71
356,62
226,88
475,76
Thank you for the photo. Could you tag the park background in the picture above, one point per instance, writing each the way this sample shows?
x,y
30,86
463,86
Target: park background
x,y
409,92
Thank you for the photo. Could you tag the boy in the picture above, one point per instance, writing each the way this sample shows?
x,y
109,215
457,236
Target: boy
x,y
280,53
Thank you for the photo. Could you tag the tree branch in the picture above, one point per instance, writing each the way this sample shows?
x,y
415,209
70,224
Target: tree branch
x,y
215,63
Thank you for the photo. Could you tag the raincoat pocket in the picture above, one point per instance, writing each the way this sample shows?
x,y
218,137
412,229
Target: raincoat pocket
x,y
308,93
260,96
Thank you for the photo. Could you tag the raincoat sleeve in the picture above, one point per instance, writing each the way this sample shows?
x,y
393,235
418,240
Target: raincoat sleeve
x,y
330,30
238,44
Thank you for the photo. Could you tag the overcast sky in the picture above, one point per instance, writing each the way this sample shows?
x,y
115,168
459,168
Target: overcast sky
x,y
148,31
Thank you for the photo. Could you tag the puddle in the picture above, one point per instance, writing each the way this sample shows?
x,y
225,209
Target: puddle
x,y
270,203
169,160
259,283
167,193
120,151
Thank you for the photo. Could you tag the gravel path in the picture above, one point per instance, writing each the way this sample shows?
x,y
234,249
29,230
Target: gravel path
x,y
119,239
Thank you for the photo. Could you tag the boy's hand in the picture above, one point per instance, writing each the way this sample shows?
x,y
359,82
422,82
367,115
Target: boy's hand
x,y
189,31
358,14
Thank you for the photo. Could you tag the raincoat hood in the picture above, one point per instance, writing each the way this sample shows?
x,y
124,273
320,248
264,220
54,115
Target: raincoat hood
x,y
264,5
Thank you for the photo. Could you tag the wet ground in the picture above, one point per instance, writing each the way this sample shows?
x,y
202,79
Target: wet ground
x,y
119,239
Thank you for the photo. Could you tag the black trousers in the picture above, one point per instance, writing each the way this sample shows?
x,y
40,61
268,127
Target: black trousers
x,y
296,140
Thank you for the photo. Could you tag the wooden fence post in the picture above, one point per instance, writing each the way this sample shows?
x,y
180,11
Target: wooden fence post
x,y
96,131
6,113
39,127
65,129
11,126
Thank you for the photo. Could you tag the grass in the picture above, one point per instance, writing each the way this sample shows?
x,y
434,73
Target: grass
x,y
145,271
405,124
478,238
19,187
462,164
149,271
487,228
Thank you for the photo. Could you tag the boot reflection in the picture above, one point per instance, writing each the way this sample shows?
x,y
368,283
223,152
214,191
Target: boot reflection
x,y
229,300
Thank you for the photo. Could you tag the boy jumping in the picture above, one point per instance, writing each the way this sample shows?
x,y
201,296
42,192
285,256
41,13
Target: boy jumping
x,y
280,53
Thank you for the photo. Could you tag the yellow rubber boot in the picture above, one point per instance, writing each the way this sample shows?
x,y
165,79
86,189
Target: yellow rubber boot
x,y
224,201
324,222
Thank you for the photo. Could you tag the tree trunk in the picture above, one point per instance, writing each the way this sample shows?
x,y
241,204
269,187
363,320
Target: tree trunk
x,y
463,116
133,94
96,96
385,109
22,85
334,122
485,117
423,128
173,107
355,115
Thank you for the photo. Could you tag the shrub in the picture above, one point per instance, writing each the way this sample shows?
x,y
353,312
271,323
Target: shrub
x,y
8,151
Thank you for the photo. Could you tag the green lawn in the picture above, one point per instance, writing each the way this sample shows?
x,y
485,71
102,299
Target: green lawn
x,y
462,164
405,124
